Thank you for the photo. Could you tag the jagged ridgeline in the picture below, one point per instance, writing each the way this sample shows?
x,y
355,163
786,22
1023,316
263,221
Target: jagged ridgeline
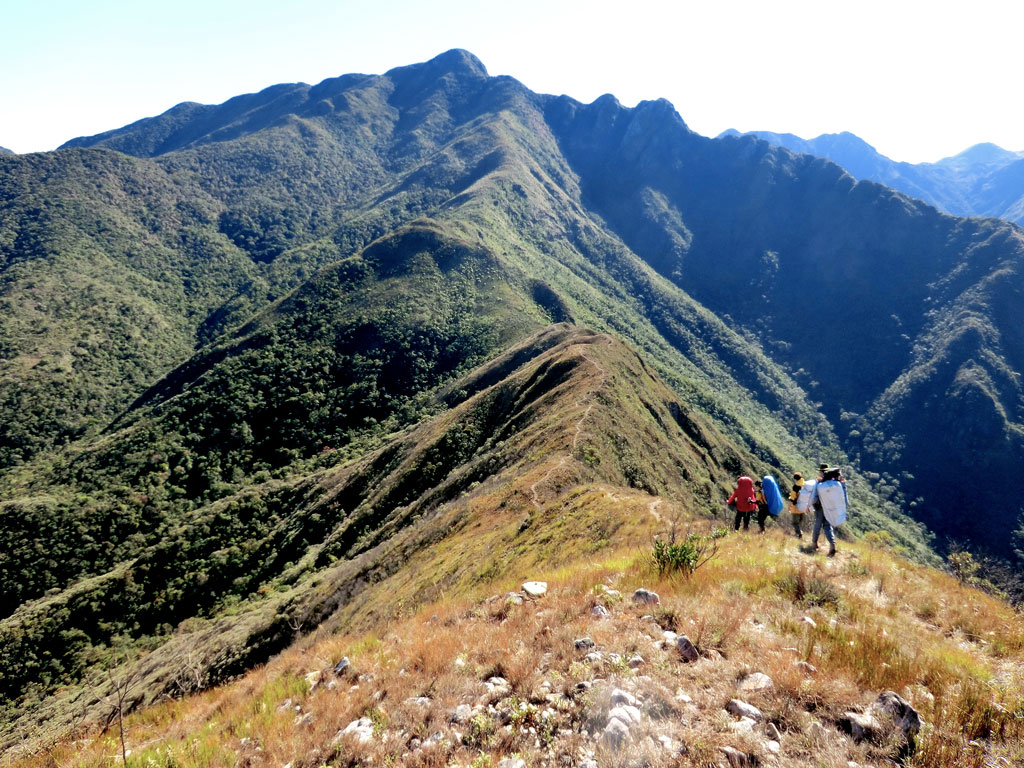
x,y
257,356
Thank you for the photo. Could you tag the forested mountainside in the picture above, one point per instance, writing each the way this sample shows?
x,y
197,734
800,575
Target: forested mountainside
x,y
983,180
217,320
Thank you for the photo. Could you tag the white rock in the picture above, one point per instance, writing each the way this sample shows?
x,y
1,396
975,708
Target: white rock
x,y
681,696
756,681
809,622
593,657
666,742
599,611
772,732
616,734
646,596
462,714
535,588
743,725
312,678
620,696
806,667
626,713
774,747
742,709
418,701
361,730
510,762
862,726
736,758
583,643
636,660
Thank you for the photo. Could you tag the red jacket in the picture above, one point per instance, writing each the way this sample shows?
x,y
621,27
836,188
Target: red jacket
x,y
744,495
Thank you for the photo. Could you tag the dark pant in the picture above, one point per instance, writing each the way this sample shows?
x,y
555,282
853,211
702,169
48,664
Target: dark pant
x,y
762,515
745,517
797,525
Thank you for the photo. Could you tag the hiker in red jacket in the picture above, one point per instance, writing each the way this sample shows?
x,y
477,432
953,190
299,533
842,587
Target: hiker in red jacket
x,y
743,499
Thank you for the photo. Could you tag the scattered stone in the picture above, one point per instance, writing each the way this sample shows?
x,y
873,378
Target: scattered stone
x,y
614,658
756,681
510,762
342,666
861,727
891,706
774,747
669,636
806,667
687,649
772,732
331,685
588,763
584,644
497,684
636,660
312,679
361,730
583,686
593,657
794,651
535,588
743,725
301,721
620,696
616,734
460,662
667,742
513,598
600,612
462,714
418,701
285,705
646,596
628,714
681,696
740,708
809,622
736,758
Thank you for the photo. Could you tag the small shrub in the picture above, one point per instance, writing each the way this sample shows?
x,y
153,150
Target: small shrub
x,y
809,591
684,556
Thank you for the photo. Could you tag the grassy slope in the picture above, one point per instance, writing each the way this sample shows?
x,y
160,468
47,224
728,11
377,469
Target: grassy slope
x,y
879,622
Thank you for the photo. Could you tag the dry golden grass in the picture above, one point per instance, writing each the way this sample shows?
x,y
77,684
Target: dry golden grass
x,y
959,664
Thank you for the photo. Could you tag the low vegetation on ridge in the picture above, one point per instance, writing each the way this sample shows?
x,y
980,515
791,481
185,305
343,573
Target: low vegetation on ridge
x,y
830,634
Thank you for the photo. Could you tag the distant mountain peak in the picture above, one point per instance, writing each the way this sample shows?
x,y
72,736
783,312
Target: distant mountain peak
x,y
6,151
456,61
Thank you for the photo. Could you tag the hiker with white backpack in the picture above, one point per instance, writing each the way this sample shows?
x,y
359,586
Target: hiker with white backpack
x,y
828,497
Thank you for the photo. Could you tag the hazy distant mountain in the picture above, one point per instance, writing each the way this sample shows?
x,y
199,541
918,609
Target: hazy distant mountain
x,y
984,180
251,353
5,151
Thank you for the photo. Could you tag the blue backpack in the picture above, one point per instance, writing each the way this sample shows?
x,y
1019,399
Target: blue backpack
x,y
772,495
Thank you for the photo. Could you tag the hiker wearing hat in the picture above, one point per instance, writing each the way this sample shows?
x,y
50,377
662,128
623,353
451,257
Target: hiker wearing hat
x,y
762,504
828,477
794,511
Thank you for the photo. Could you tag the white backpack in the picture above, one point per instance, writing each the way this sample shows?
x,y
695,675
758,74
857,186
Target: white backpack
x,y
832,495
806,497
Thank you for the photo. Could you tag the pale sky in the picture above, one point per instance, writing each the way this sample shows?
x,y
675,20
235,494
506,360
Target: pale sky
x,y
917,80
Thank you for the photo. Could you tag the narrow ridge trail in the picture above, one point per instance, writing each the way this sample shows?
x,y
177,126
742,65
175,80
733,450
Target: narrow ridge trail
x,y
578,427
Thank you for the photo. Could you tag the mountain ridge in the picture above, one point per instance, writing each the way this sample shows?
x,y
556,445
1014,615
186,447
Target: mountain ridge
x,y
982,180
300,298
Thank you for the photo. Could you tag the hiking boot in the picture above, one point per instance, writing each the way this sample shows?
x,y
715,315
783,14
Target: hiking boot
x,y
832,550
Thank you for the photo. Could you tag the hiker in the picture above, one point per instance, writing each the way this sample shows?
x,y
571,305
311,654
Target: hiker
x,y
772,497
743,499
830,505
794,511
762,504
